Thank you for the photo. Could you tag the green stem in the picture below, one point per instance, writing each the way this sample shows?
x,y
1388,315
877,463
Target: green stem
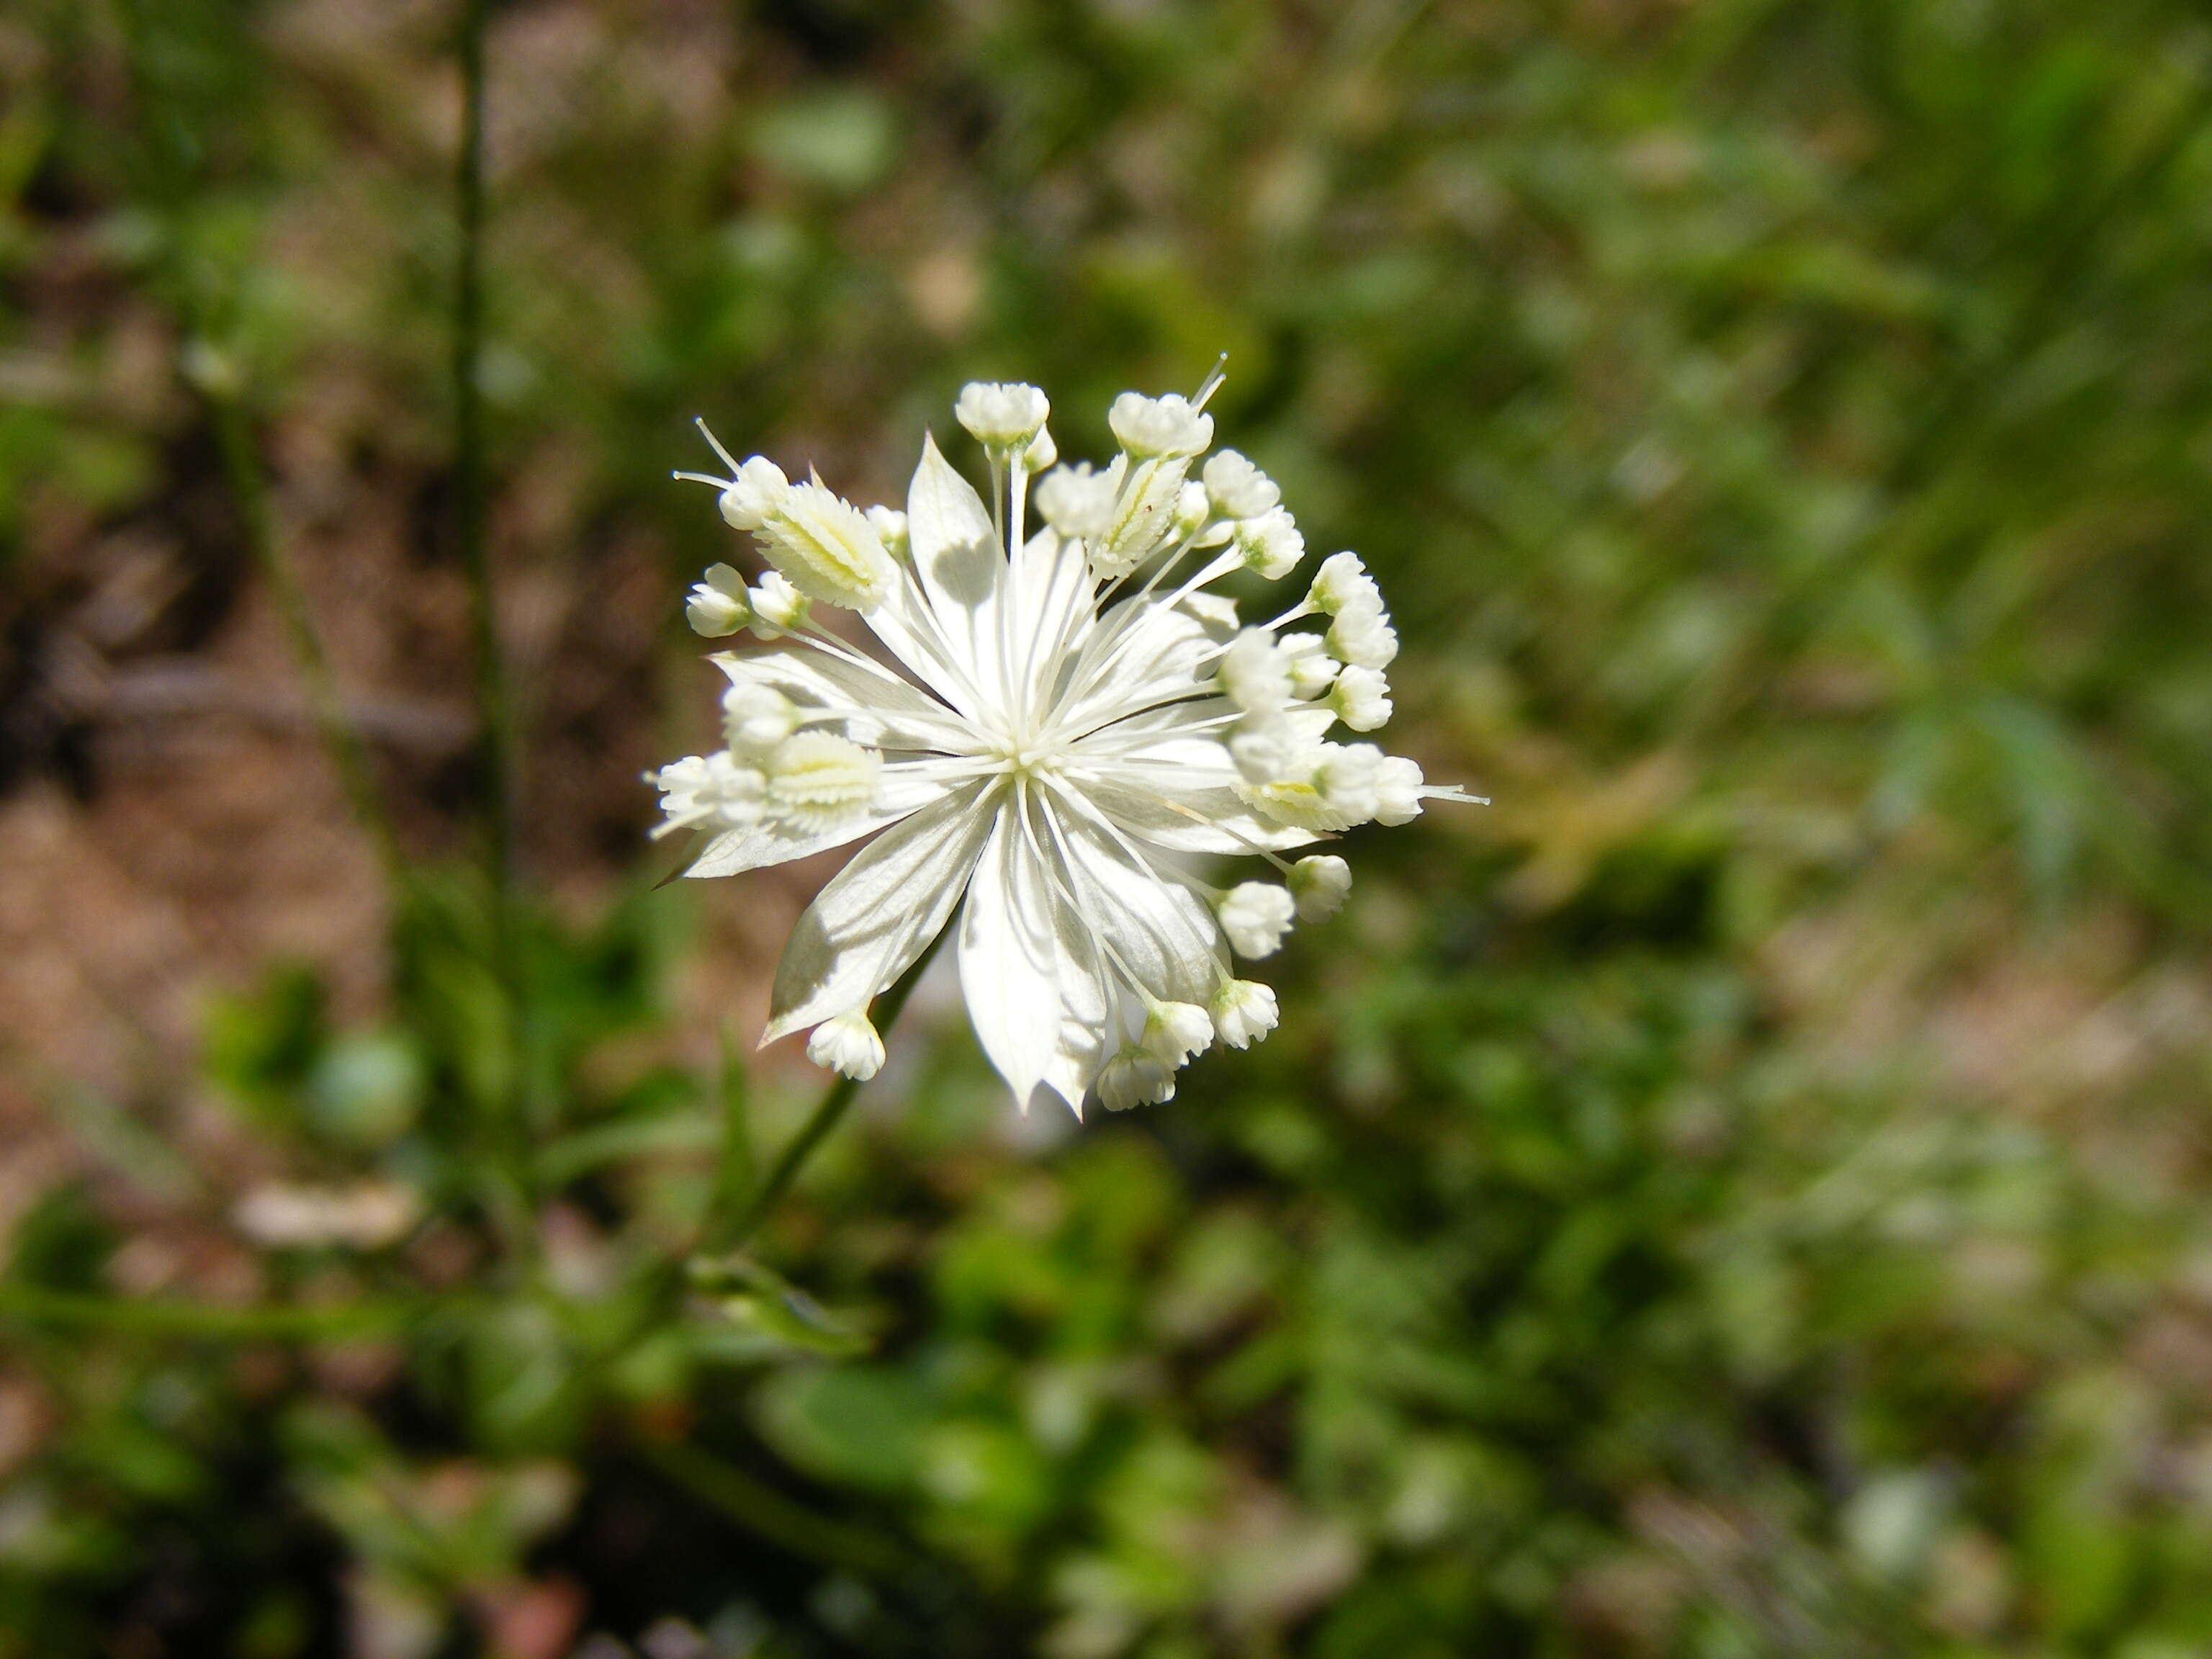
x,y
825,1116
761,1508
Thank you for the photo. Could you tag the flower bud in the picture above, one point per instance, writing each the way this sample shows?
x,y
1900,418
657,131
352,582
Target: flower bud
x,y
1362,634
889,523
1040,452
716,606
1361,698
1256,914
1271,543
1252,673
756,718
1237,489
848,1045
755,492
1320,884
1135,1078
1191,513
1313,670
1244,1011
1174,1031
1002,416
1342,582
1159,426
711,792
1397,790
1076,502
777,607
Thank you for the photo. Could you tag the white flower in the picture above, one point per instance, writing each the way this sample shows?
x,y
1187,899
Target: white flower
x,y
848,1044
1001,415
1361,697
1159,426
1320,884
1271,545
1397,790
1060,723
1362,636
1237,489
717,604
1256,914
1243,1012
1342,581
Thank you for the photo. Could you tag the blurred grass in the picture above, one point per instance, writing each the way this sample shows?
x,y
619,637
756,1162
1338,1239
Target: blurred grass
x,y
1744,1194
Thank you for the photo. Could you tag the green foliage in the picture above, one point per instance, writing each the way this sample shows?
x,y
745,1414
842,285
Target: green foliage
x,y
1743,1195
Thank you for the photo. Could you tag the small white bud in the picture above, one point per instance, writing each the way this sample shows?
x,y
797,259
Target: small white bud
x,y
1343,582
1175,1031
1313,670
1320,884
1254,675
817,779
1041,451
1237,489
1271,543
1159,426
1076,502
1244,1011
828,550
756,718
1256,914
716,606
1397,790
713,791
889,523
756,492
777,607
1135,1078
1191,512
1349,778
1265,747
1003,416
848,1045
1362,634
1361,698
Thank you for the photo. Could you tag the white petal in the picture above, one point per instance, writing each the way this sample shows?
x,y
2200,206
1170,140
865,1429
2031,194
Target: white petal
x,y
768,843
1177,788
958,558
1027,974
878,914
1160,929
870,707
1052,590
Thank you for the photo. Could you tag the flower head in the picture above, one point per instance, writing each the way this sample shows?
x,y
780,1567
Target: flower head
x,y
1061,720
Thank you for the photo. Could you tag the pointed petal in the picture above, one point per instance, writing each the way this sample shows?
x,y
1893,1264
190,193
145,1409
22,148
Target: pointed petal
x,y
1160,929
1052,593
882,712
1026,974
766,844
879,913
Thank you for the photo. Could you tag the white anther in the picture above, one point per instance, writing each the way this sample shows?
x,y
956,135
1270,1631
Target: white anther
x,y
716,605
848,1045
1361,697
1244,1011
1256,914
1159,426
